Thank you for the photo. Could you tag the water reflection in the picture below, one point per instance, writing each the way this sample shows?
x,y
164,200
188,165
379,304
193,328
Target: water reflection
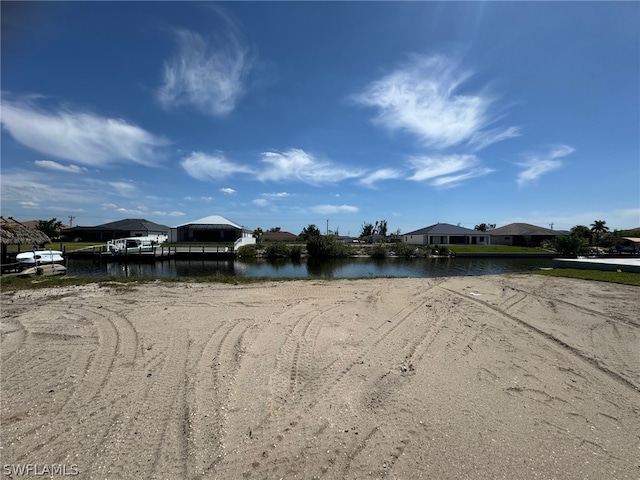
x,y
311,268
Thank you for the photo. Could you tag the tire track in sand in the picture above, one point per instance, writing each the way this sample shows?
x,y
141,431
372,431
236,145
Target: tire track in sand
x,y
283,429
212,389
116,345
587,359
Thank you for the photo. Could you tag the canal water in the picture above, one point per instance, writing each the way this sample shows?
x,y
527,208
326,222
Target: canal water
x,y
309,268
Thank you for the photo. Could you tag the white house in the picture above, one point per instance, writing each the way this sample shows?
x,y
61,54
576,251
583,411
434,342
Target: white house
x,y
212,229
446,234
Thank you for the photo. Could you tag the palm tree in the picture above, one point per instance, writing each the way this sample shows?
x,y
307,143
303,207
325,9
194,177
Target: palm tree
x,y
598,227
257,233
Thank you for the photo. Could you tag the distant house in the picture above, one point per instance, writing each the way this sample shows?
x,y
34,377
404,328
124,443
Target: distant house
x,y
129,227
522,235
212,229
446,234
279,237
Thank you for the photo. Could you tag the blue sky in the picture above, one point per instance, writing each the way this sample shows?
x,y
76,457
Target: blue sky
x,y
282,114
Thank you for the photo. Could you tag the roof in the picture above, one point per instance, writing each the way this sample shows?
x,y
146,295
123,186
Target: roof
x,y
131,224
523,229
445,229
278,236
13,232
213,220
632,239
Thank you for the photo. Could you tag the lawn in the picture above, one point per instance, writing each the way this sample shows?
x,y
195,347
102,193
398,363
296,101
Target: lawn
x,y
497,249
627,278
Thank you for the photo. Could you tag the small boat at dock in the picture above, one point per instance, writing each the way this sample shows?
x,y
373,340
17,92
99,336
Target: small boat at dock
x,y
39,257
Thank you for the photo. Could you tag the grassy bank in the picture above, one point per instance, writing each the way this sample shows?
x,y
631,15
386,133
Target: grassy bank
x,y
626,278
12,283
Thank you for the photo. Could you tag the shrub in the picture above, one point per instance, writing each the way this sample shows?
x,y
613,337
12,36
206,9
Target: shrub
x,y
404,250
326,246
379,250
570,246
247,251
278,250
296,252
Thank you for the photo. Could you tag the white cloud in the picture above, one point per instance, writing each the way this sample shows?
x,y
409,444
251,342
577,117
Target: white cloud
x,y
537,165
80,137
228,191
450,181
446,170
333,209
422,98
261,202
59,167
124,189
276,195
36,188
381,174
211,167
296,164
206,74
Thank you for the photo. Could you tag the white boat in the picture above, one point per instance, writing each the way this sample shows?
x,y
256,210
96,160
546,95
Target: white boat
x,y
46,270
39,257
131,245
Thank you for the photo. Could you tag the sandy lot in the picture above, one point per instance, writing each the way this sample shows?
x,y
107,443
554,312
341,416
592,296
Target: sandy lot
x,y
508,376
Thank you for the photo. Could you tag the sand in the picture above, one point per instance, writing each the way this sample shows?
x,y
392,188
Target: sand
x,y
509,376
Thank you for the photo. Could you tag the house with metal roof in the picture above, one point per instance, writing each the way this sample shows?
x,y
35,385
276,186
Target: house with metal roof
x,y
211,229
447,234
522,235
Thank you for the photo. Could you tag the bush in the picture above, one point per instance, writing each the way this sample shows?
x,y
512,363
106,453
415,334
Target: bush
x,y
296,252
278,250
404,250
248,251
379,250
570,246
326,246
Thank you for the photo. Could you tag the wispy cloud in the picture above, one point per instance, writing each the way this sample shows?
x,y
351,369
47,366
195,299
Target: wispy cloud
x,y
446,170
333,209
35,189
228,191
276,195
296,164
422,98
370,179
48,164
208,74
80,137
540,164
124,189
211,167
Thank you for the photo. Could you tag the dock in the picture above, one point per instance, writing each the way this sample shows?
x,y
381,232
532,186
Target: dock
x,y
159,253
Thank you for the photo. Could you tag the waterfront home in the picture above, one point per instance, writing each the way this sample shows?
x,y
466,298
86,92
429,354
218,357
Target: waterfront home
x,y
446,234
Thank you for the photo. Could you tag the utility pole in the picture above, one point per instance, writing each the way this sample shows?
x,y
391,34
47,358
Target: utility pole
x,y
327,226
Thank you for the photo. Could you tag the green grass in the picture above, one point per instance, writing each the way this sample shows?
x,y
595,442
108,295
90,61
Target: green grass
x,y
69,246
626,278
501,249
